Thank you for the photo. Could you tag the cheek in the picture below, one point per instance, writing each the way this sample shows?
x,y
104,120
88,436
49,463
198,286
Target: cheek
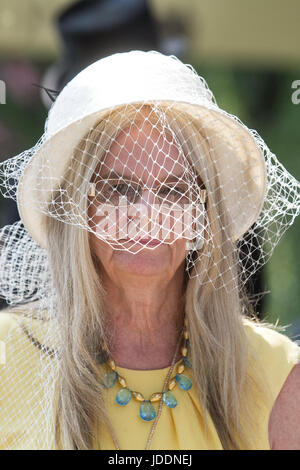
x,y
180,249
178,224
96,219
101,250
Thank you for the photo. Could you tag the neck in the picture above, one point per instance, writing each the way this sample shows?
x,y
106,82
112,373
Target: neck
x,y
144,319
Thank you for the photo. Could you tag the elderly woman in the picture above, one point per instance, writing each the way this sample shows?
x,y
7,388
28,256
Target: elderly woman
x,y
144,210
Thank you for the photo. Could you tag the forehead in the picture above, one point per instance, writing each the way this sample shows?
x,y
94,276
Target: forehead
x,y
145,151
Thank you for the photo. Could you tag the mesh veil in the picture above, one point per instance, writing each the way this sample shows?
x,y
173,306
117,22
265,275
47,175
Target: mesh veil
x,y
139,174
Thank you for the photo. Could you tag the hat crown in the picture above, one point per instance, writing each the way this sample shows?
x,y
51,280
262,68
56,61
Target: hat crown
x,y
126,78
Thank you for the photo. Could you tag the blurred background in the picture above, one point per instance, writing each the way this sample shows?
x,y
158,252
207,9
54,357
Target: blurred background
x,y
248,52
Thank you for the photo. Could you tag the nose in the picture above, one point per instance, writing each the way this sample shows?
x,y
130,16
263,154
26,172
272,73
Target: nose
x,y
147,197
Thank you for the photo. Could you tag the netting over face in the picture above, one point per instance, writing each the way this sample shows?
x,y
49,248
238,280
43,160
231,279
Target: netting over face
x,y
142,177
150,175
138,188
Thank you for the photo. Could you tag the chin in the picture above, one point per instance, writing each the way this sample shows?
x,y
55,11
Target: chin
x,y
147,262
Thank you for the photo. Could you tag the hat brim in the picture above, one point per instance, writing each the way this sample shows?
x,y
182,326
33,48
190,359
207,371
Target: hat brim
x,y
237,157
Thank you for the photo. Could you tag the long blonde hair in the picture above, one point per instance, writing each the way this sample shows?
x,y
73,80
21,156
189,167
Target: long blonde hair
x,y
225,380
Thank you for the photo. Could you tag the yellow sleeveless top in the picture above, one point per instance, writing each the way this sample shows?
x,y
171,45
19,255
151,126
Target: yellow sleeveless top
x,y
181,427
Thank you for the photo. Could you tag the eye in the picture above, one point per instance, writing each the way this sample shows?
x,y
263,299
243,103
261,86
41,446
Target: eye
x,y
164,190
175,190
120,188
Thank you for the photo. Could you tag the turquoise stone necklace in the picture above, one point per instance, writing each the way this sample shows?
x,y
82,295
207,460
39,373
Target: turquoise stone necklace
x,y
147,409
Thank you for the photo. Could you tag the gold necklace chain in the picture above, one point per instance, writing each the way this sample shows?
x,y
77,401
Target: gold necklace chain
x,y
116,442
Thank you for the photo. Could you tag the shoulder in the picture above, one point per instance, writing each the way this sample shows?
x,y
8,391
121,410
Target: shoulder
x,y
271,345
11,335
23,329
280,359
22,383
7,323
284,423
10,316
275,351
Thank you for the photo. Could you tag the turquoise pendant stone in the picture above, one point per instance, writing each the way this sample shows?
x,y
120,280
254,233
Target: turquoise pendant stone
x,y
187,362
183,381
147,411
169,399
123,396
109,379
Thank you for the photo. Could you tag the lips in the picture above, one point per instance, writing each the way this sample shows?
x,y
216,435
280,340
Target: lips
x,y
144,241
148,241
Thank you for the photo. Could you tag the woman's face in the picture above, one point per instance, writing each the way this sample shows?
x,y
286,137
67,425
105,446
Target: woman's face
x,y
146,156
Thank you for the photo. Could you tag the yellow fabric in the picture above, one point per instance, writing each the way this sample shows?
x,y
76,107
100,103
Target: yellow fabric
x,y
177,428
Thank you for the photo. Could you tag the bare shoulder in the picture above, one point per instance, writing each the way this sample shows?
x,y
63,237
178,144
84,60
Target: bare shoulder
x,y
284,421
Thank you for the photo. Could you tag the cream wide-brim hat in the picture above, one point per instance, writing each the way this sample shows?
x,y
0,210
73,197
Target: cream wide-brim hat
x,y
132,78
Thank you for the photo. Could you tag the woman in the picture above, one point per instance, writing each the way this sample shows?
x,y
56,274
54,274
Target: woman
x,y
145,209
